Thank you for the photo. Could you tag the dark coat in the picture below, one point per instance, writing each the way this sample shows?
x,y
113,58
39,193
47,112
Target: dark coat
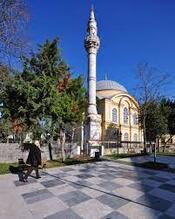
x,y
34,157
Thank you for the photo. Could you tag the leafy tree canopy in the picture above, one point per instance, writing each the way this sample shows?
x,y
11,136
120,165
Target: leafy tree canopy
x,y
45,89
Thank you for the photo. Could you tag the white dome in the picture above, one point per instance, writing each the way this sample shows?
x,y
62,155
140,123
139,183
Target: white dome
x,y
110,85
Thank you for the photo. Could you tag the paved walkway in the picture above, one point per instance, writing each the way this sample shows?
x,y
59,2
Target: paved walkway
x,y
100,190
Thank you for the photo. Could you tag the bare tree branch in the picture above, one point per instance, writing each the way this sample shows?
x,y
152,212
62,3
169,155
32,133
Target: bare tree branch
x,y
14,16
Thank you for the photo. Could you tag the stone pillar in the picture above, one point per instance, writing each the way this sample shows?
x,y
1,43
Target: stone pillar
x,y
92,109
93,121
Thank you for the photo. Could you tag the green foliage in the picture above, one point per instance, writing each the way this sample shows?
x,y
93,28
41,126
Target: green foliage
x,y
155,120
170,113
4,129
112,133
4,167
119,156
44,96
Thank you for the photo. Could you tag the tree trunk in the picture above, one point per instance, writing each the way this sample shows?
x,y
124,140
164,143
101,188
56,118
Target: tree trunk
x,y
82,138
144,133
155,153
50,150
72,140
62,142
158,145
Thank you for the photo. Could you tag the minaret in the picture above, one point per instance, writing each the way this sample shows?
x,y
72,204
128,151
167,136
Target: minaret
x,y
92,44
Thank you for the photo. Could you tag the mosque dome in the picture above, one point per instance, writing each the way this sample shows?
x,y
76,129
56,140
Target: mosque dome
x,y
109,85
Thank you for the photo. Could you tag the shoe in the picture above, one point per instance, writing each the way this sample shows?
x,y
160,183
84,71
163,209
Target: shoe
x,y
23,180
38,177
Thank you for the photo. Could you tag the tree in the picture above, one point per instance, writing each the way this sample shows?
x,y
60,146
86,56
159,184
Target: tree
x,y
14,16
151,82
156,121
19,105
112,133
45,90
170,114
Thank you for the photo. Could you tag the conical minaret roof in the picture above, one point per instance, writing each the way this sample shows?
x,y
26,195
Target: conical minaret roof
x,y
92,40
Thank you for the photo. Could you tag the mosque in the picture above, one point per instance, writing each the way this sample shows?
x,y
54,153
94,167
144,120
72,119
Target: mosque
x,y
110,106
118,108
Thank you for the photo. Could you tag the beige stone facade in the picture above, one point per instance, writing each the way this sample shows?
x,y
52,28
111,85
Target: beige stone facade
x,y
119,108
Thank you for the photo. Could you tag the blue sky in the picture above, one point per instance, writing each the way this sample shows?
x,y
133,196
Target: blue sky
x,y
131,32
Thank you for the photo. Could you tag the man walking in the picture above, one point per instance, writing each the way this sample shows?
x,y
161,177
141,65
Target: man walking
x,y
34,159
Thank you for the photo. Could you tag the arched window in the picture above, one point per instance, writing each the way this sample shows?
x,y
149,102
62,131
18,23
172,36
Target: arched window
x,y
135,119
126,136
114,115
125,115
135,137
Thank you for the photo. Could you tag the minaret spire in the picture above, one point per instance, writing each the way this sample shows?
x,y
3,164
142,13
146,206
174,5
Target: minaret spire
x,y
106,76
92,44
92,13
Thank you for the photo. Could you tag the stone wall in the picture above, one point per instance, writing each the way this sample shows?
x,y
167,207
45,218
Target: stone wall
x,y
11,152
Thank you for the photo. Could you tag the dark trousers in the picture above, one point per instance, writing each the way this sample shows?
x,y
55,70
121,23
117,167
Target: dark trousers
x,y
21,174
29,171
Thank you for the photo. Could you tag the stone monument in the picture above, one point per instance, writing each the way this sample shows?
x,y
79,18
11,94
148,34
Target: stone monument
x,y
93,121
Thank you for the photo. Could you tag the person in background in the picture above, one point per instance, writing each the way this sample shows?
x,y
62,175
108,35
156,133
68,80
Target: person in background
x,y
33,160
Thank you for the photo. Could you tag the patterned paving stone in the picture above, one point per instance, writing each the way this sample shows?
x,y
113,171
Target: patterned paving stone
x,y
61,175
109,185
95,180
84,183
94,194
154,183
47,207
58,190
84,176
150,172
128,193
136,211
161,193
112,201
115,215
172,182
171,211
122,181
91,192
168,187
76,185
141,187
166,216
66,214
158,179
67,169
30,180
36,196
154,202
132,177
51,183
107,176
74,198
92,209
70,179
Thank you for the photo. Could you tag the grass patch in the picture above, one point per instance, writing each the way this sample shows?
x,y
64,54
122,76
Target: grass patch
x,y
118,156
69,161
155,166
164,154
4,167
53,163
